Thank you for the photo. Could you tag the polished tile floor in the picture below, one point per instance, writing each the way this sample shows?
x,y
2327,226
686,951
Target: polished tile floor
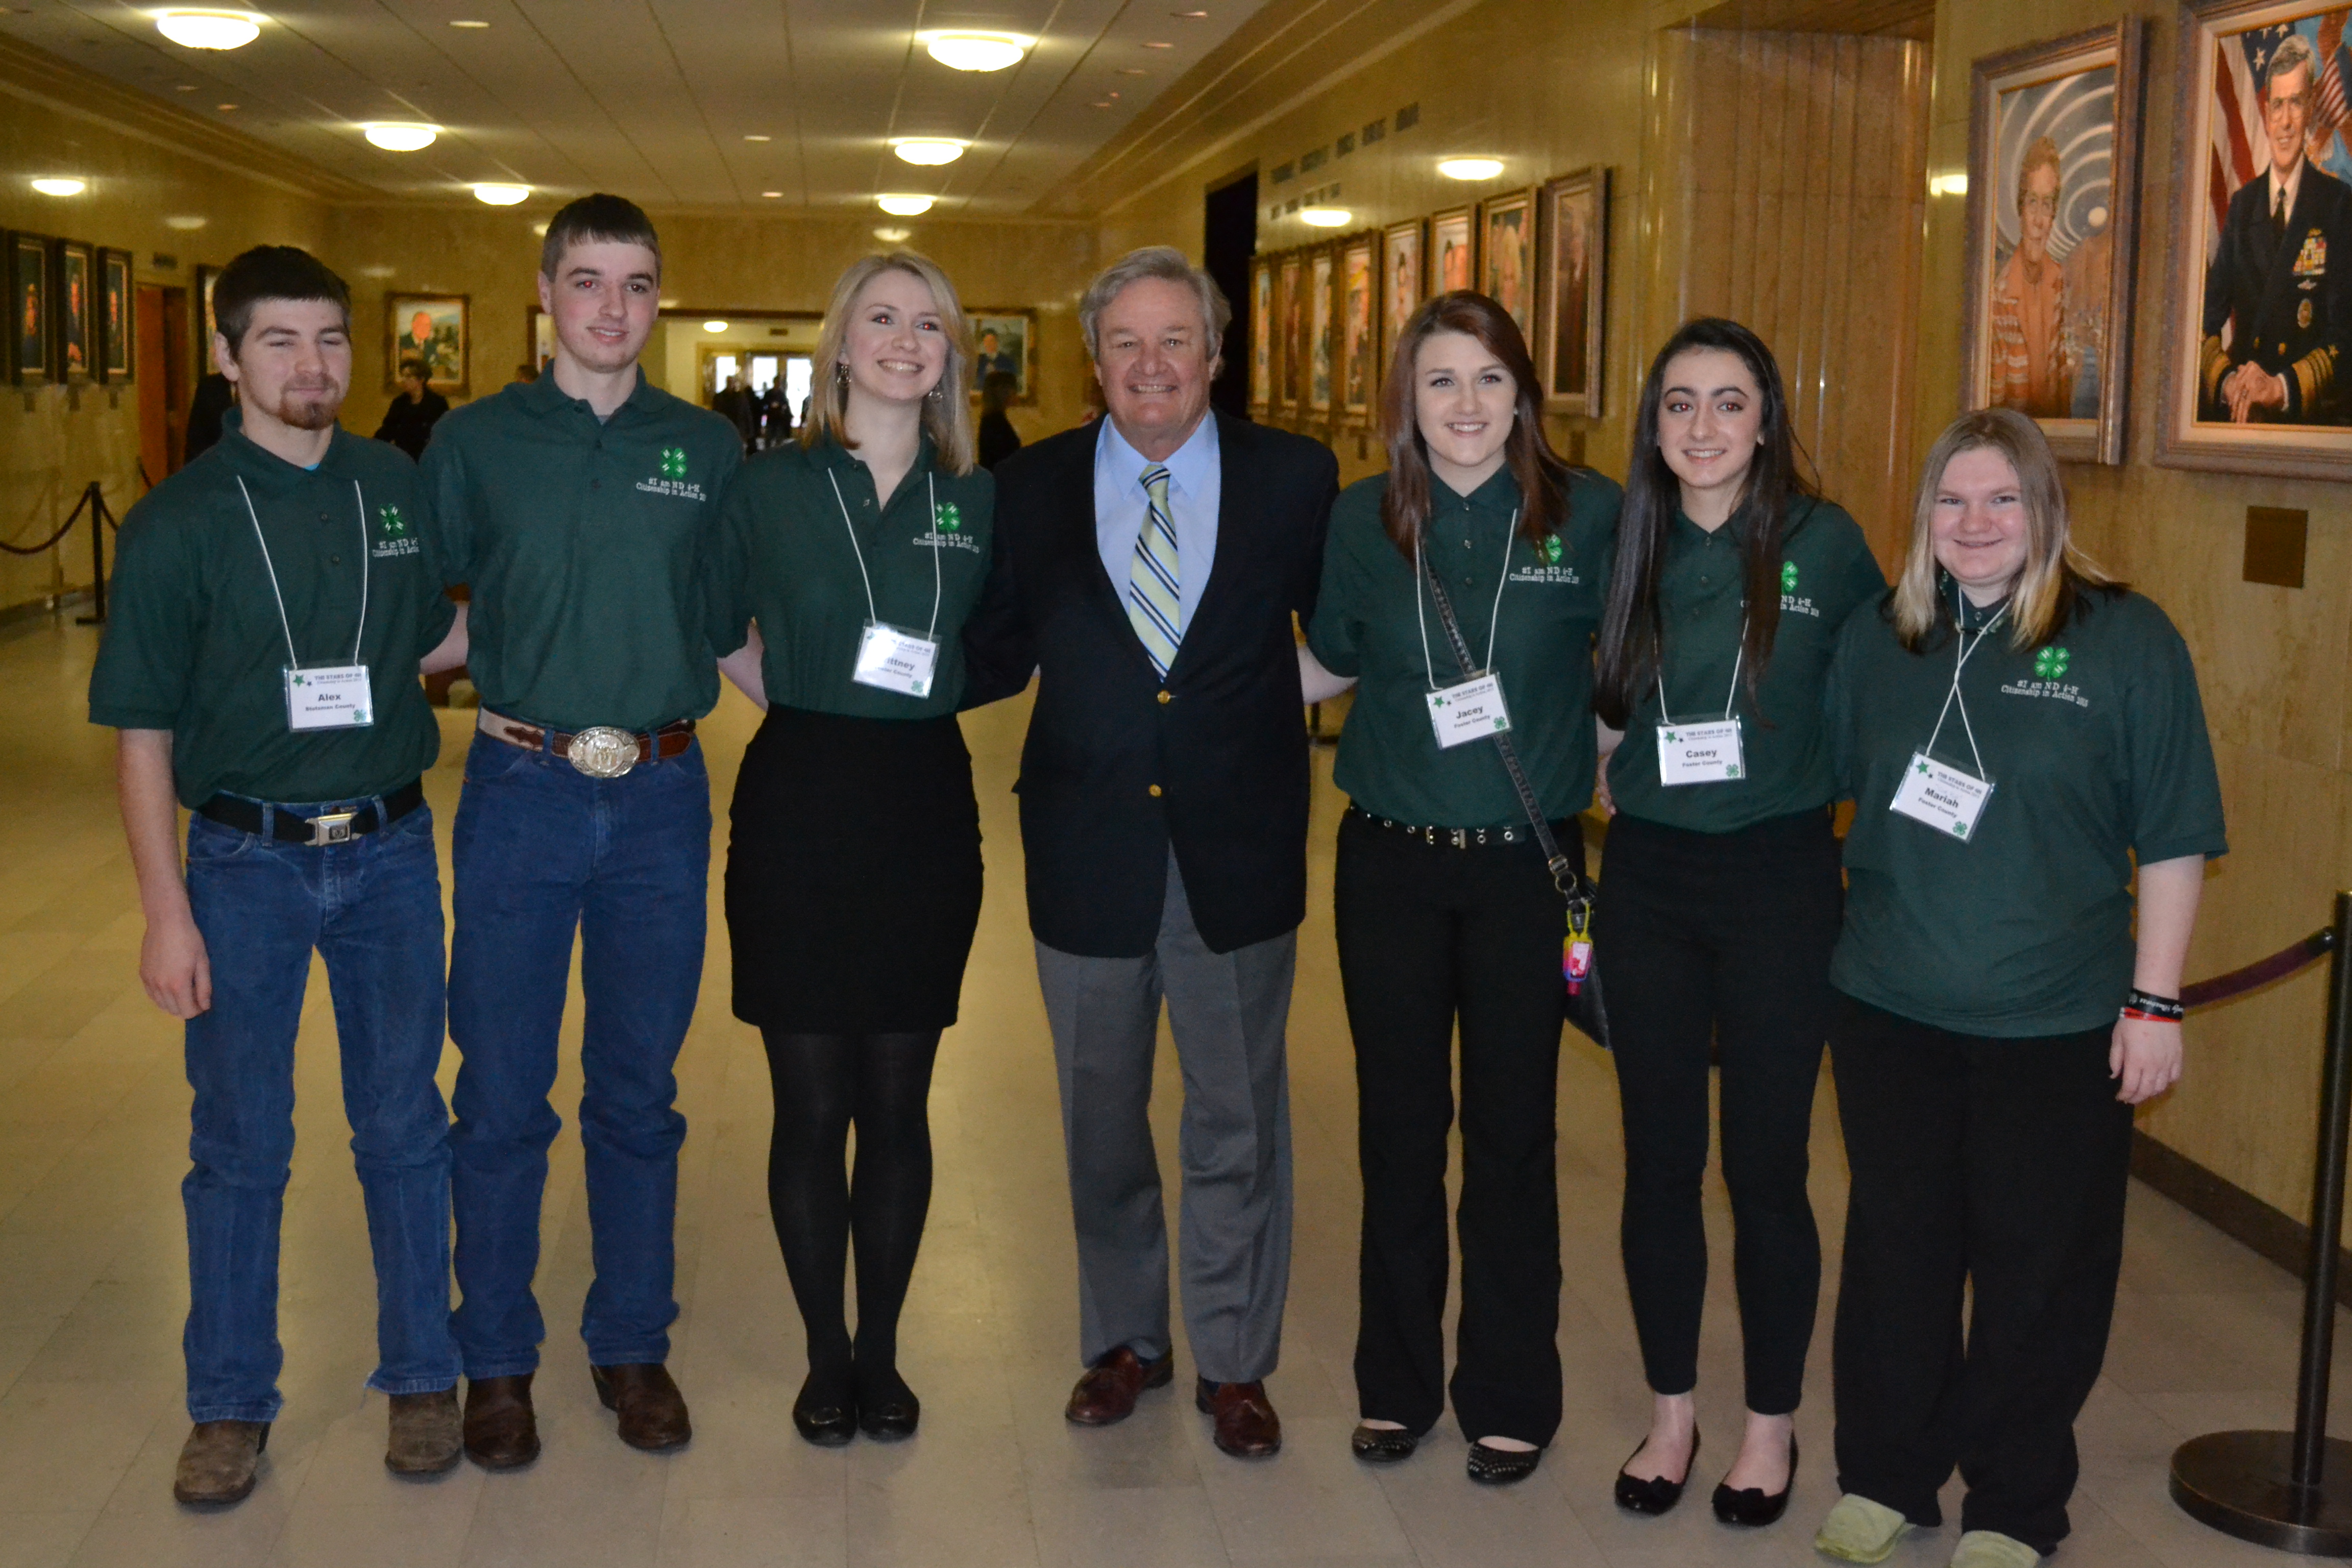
x,y
93,1127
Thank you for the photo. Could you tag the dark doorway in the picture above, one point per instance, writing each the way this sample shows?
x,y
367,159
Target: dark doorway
x,y
161,323
1229,238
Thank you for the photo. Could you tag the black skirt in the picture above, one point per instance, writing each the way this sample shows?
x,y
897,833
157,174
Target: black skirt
x,y
853,874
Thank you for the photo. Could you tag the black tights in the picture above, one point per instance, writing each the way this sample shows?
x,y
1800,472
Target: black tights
x,y
822,1084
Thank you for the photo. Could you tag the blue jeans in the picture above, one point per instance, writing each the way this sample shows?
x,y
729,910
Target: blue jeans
x,y
542,849
372,907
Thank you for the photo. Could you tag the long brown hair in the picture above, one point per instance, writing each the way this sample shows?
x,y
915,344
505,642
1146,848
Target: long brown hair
x,y
1542,474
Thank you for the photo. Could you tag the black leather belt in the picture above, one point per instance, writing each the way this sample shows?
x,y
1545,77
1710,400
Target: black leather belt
x,y
1448,837
332,828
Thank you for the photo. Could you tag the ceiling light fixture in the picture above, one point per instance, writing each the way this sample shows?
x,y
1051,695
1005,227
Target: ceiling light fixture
x,y
1158,45
1189,16
894,236
209,29
378,272
61,187
926,150
714,326
501,195
400,136
1325,217
904,206
226,108
470,26
977,51
1470,168
1132,70
771,196
186,221
758,138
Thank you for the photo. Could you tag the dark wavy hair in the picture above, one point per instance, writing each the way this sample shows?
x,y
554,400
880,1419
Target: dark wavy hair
x,y
1630,628
1542,474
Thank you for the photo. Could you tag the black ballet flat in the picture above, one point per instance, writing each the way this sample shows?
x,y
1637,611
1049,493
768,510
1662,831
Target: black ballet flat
x,y
1657,1495
889,1413
1382,1445
826,1416
1751,1505
1501,1467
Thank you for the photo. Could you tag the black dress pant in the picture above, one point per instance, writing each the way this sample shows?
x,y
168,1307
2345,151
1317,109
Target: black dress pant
x,y
1430,936
1999,1163
1721,940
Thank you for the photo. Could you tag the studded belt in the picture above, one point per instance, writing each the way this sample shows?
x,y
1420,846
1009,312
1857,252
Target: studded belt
x,y
1447,837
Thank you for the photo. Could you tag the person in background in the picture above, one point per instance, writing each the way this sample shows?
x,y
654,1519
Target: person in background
x,y
734,404
775,415
408,423
998,438
1444,905
1733,580
214,396
2022,739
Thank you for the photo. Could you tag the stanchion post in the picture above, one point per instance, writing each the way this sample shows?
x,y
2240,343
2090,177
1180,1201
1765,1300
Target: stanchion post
x,y
2327,1216
95,499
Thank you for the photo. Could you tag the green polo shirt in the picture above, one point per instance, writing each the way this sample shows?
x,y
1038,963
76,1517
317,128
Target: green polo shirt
x,y
582,543
788,556
1543,626
194,645
2097,749
1826,574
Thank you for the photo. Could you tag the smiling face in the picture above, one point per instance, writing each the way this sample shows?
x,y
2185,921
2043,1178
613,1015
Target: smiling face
x,y
895,344
2039,210
1152,358
1982,527
1710,421
602,300
2286,118
1464,403
295,363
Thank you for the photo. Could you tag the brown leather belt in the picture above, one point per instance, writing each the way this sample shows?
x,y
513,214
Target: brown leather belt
x,y
601,751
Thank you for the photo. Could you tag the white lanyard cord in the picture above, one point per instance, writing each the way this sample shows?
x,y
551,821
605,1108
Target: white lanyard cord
x,y
931,487
1960,664
358,638
1494,616
1730,698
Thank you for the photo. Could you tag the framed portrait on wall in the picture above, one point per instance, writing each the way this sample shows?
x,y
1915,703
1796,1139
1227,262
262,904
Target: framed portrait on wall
x,y
28,307
2259,290
1404,284
1006,340
1572,290
1261,344
205,277
2053,224
1359,339
1452,256
75,312
431,330
1507,255
1290,358
1319,344
115,330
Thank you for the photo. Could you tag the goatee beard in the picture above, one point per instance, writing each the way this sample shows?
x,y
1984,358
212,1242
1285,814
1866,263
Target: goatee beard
x,y
310,413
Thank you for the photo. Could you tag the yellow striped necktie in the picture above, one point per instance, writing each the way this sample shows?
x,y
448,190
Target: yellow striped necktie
x,y
1154,603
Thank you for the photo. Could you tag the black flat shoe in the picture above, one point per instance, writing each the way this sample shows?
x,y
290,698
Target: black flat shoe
x,y
826,1411
1657,1495
887,1409
1382,1445
1751,1505
1501,1467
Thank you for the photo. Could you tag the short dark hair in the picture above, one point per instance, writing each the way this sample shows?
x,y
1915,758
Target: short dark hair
x,y
598,219
272,272
409,367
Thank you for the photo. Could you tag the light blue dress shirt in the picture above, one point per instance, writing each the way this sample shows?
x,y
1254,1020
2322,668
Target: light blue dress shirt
x,y
1121,507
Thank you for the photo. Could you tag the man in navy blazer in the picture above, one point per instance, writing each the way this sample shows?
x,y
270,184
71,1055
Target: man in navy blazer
x,y
1147,567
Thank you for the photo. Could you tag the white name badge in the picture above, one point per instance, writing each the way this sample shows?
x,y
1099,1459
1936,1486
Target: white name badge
x,y
1947,799
1700,753
329,697
892,659
1470,710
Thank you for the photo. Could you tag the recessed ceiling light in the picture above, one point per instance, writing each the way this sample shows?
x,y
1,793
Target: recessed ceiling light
x,y
966,51
1470,168
226,108
714,326
501,195
904,206
926,150
1325,217
1099,103
1189,16
376,271
469,26
61,187
400,136
186,221
771,196
185,87
758,138
1132,70
1158,45
209,29
894,236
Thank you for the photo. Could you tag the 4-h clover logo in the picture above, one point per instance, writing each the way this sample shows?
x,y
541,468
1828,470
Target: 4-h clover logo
x,y
673,462
2051,663
1551,549
1788,576
950,517
394,526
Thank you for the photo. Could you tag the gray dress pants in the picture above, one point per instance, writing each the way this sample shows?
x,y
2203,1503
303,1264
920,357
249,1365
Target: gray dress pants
x,y
1227,1012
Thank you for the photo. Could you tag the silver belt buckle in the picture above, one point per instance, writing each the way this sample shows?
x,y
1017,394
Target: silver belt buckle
x,y
335,827
602,751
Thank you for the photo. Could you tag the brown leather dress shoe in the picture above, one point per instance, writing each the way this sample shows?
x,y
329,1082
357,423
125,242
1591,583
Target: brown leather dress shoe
x,y
652,1410
219,1461
1108,1391
501,1433
1247,1427
427,1436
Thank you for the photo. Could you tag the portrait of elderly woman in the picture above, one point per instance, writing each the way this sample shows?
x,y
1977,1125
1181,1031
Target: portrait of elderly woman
x,y
2033,368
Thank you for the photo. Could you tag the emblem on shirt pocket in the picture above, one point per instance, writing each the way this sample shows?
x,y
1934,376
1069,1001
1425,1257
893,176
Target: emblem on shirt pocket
x,y
2051,663
393,536
672,480
950,517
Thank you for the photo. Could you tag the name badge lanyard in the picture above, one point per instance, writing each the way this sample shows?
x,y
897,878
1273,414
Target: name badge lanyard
x,y
1472,709
893,659
331,696
1947,798
1708,752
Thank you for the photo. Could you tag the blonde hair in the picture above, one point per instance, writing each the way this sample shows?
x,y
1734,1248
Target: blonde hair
x,y
947,416
2054,573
